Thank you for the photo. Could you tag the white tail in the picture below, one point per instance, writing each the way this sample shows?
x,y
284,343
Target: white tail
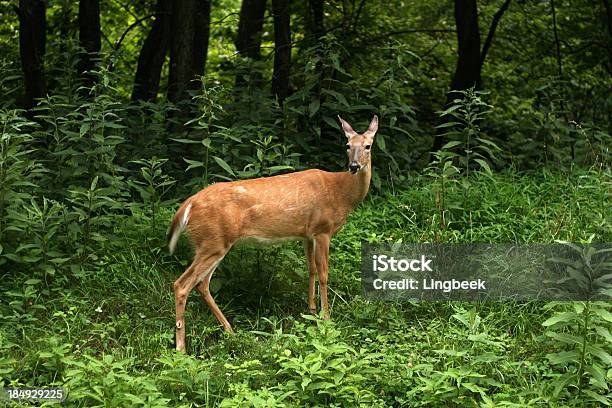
x,y
308,205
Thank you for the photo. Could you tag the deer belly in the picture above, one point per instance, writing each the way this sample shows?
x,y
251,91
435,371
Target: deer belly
x,y
259,240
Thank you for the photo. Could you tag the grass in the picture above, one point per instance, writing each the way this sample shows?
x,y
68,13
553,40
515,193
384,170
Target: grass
x,y
107,335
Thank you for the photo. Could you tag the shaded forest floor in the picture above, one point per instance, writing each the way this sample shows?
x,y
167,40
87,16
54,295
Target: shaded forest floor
x,y
107,335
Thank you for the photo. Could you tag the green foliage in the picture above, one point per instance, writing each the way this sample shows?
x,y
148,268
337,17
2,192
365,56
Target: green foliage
x,y
326,370
18,172
155,186
106,382
579,334
466,148
88,180
105,332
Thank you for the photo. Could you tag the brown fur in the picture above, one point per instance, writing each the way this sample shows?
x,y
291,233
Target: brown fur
x,y
308,205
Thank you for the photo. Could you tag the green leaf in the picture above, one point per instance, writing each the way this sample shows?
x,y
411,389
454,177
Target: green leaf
x,y
274,169
597,397
224,165
313,107
600,353
187,141
32,281
451,144
564,337
565,317
84,128
598,376
604,314
484,165
563,357
94,183
603,332
331,122
380,142
193,164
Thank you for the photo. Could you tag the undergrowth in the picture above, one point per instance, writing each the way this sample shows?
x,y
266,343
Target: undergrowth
x,y
99,321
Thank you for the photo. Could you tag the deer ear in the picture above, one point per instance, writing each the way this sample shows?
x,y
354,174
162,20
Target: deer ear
x,y
373,128
348,130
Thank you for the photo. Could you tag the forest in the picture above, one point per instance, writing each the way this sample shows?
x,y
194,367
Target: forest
x,y
494,126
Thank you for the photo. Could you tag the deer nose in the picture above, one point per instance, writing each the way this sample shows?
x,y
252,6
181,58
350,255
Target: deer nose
x,y
353,167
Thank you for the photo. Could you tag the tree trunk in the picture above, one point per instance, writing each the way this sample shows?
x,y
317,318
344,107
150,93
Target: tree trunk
x,y
32,41
189,46
608,10
467,70
89,39
201,36
248,41
153,54
314,20
282,49
606,4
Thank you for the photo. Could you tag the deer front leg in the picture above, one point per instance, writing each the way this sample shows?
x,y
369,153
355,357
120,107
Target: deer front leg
x,y
309,249
321,257
180,296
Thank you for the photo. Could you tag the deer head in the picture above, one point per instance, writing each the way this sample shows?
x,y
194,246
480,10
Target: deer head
x,y
359,146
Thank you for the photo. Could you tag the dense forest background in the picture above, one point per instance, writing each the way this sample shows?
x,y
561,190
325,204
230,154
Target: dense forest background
x,y
251,75
495,122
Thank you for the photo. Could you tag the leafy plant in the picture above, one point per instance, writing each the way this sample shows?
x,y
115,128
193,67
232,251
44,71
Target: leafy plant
x,y
327,371
155,185
580,334
18,170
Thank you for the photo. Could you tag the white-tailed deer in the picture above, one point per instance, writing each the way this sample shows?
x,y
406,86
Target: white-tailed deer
x,y
309,205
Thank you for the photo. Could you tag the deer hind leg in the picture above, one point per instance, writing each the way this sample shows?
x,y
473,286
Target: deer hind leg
x,y
309,249
202,266
203,288
321,256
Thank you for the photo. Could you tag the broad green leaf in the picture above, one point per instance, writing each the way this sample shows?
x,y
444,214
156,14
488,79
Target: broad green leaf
x,y
603,399
451,144
193,164
565,317
564,357
484,165
313,107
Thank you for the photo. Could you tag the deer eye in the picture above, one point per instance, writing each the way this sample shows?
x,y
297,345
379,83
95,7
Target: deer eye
x,y
348,146
368,147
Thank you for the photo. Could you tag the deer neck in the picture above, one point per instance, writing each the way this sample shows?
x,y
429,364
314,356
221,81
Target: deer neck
x,y
356,186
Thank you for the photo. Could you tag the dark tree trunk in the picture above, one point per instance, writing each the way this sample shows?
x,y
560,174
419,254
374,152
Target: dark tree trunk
x,y
153,54
201,36
32,41
608,10
89,39
314,30
189,46
282,49
606,4
314,11
248,41
467,70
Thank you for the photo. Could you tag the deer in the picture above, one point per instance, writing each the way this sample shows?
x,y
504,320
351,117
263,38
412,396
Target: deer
x,y
310,206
